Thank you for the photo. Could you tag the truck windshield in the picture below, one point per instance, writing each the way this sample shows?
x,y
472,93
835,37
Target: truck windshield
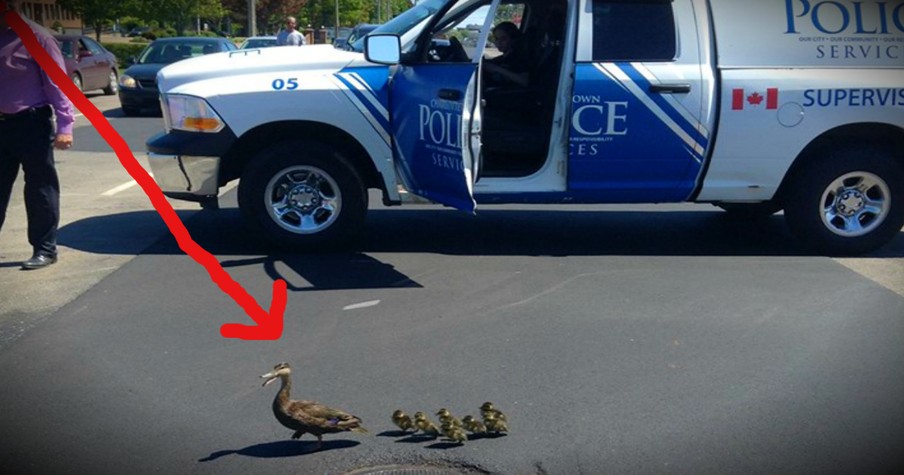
x,y
406,21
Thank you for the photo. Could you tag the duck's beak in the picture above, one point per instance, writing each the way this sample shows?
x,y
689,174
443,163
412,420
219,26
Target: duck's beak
x,y
270,377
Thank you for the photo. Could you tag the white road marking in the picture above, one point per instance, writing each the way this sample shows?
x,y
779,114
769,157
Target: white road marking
x,y
116,189
356,306
129,184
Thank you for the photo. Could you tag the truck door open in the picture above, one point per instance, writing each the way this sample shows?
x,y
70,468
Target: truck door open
x,y
435,110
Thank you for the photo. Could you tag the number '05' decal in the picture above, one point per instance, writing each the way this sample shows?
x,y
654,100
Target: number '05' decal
x,y
290,84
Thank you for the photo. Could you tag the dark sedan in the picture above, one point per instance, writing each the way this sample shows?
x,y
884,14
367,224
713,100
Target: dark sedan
x,y
88,64
138,83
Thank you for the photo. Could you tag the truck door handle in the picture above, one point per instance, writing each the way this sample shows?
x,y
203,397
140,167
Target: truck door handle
x,y
670,88
450,94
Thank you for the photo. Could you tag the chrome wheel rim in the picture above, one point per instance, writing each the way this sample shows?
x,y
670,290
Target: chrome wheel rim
x,y
303,199
855,204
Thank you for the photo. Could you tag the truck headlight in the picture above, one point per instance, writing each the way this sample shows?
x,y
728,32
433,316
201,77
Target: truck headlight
x,y
191,114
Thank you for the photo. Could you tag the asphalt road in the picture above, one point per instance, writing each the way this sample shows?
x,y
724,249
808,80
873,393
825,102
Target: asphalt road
x,y
643,339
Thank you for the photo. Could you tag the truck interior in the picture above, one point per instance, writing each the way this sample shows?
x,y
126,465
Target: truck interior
x,y
517,118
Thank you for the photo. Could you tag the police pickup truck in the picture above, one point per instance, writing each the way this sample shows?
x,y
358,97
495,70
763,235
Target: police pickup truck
x,y
754,106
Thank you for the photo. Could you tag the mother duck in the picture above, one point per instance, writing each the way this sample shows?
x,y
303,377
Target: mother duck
x,y
307,417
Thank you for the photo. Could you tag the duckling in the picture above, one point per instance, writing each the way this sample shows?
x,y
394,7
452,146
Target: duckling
x,y
472,425
488,408
427,427
494,424
445,415
403,421
307,416
453,433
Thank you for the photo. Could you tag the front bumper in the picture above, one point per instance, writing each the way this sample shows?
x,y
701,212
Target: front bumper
x,y
186,165
186,177
139,98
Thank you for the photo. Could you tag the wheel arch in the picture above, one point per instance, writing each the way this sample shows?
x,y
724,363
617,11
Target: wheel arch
x,y
80,77
883,136
245,148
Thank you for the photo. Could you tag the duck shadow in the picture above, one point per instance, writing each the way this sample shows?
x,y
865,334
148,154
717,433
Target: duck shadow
x,y
394,433
488,435
438,443
407,437
444,445
283,448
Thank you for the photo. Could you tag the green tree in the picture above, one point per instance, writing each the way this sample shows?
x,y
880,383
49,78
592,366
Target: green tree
x,y
180,14
323,12
385,10
96,14
270,13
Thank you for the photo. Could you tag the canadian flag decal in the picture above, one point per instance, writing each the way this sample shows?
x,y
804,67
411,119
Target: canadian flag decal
x,y
739,97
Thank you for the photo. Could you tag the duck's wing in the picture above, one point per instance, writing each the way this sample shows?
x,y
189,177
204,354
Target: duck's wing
x,y
320,415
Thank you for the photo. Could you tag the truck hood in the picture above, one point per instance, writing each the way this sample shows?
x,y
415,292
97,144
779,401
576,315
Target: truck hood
x,y
254,61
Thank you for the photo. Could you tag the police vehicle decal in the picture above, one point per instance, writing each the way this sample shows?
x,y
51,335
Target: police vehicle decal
x,y
371,104
636,79
629,144
429,122
674,104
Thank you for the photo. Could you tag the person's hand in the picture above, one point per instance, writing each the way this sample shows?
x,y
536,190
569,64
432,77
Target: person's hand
x,y
63,141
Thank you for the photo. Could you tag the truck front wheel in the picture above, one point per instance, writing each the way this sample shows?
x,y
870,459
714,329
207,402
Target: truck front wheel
x,y
851,203
303,195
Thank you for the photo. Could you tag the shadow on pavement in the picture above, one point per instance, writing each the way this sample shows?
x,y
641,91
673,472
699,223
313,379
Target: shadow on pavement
x,y
492,232
224,234
283,448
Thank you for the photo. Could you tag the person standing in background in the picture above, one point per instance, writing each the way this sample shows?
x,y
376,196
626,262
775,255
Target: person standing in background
x,y
28,100
289,36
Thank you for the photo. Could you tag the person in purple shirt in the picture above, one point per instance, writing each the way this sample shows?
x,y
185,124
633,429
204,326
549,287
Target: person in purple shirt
x,y
28,100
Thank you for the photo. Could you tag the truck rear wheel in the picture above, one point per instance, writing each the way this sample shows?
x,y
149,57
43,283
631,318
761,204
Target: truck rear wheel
x,y
303,195
851,203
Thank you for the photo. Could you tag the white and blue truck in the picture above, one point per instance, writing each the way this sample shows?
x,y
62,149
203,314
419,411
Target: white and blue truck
x,y
754,106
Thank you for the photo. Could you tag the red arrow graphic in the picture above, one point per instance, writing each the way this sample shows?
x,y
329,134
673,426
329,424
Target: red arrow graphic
x,y
269,325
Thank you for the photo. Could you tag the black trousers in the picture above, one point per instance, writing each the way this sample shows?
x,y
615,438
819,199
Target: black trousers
x,y
26,140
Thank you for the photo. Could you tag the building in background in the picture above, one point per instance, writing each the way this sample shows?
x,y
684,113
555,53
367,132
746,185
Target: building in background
x,y
52,16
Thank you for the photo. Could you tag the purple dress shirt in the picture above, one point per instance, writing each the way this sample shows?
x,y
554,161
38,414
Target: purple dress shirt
x,y
23,84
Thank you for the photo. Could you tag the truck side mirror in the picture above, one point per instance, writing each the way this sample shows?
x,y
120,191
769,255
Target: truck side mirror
x,y
383,49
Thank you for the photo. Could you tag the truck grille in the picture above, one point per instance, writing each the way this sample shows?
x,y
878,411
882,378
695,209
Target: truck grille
x,y
148,83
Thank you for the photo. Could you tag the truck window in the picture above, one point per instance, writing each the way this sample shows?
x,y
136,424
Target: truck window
x,y
626,30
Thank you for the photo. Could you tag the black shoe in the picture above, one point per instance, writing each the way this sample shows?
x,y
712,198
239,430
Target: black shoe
x,y
38,261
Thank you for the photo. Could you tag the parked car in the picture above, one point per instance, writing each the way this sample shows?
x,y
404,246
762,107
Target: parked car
x,y
88,64
138,83
138,31
359,31
258,42
340,43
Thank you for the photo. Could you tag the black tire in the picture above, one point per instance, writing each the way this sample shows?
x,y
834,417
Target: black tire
x,y
331,198
852,202
760,210
112,84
